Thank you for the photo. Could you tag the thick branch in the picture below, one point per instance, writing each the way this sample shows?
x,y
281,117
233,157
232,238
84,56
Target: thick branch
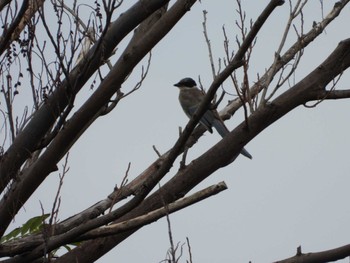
x,y
333,94
32,135
3,3
6,38
27,141
319,257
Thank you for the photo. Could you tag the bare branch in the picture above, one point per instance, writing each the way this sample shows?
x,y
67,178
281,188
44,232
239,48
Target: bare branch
x,y
207,40
319,257
27,141
293,14
287,57
189,250
156,214
7,37
129,224
156,151
118,191
335,94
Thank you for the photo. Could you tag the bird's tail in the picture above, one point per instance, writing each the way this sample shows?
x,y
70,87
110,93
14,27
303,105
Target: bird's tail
x,y
223,131
246,153
220,127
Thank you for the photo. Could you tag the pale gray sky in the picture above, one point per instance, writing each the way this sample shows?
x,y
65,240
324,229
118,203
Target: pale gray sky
x,y
294,191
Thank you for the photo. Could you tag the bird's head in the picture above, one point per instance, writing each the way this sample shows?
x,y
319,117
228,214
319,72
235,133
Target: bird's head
x,y
186,83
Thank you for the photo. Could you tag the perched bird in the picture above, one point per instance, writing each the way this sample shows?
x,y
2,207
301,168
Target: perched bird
x,y
190,98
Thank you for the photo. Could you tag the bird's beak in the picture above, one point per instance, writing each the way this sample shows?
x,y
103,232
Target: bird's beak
x,y
176,85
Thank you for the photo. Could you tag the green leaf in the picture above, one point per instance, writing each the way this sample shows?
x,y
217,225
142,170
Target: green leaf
x,y
33,225
14,233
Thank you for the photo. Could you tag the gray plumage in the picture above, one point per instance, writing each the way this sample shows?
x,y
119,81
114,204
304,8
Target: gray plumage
x,y
190,98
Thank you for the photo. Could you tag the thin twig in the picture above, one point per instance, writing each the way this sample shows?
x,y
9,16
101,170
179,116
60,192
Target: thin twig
x,y
294,12
207,40
189,250
122,184
157,152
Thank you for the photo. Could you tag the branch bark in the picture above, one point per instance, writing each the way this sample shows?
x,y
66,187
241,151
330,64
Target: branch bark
x,y
319,257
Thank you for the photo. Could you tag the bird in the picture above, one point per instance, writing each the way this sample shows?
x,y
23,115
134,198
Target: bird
x,y
190,97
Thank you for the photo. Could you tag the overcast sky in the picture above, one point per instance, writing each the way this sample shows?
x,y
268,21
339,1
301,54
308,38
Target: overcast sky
x,y
294,192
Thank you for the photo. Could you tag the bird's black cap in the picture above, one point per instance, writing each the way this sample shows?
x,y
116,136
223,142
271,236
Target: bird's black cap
x,y
186,82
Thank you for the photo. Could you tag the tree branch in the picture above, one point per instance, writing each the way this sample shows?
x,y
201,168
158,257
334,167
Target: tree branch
x,y
43,119
301,43
319,257
17,247
6,38
154,215
334,94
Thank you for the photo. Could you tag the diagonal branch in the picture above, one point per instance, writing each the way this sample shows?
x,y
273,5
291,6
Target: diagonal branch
x,y
319,257
7,37
154,215
30,137
334,94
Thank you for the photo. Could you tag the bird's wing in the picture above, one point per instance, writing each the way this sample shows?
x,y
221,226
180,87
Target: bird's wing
x,y
206,119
